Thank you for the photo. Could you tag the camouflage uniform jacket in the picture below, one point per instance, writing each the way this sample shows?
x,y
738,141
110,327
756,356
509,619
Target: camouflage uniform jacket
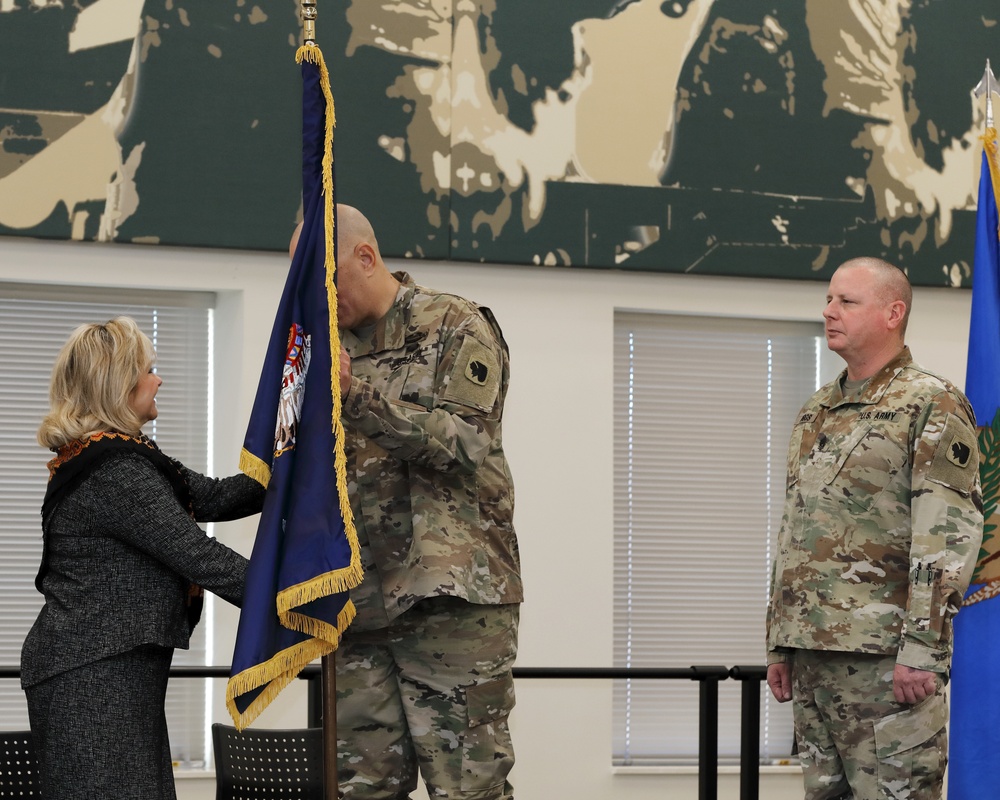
x,y
882,522
428,480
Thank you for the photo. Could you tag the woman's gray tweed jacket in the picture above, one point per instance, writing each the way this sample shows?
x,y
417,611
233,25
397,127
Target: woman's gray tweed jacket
x,y
121,553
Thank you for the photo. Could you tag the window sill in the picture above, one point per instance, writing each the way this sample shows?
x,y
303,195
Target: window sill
x,y
193,773
791,768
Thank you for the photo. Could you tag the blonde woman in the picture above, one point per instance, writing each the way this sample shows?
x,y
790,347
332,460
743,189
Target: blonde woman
x,y
122,563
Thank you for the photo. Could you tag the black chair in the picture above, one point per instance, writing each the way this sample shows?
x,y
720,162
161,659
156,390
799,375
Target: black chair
x,y
18,765
263,764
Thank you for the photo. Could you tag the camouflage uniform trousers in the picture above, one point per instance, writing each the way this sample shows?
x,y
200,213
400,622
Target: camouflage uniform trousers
x,y
435,689
855,741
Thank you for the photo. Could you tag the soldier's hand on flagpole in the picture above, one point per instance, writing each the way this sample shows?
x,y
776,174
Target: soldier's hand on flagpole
x,y
345,372
779,679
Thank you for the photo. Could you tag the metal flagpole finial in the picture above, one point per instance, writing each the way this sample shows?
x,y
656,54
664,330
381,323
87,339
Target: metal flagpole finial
x,y
309,23
988,86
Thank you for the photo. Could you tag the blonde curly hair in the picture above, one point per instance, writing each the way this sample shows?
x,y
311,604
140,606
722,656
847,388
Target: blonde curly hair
x,y
92,381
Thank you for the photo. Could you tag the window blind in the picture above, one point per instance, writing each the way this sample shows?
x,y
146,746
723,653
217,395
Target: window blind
x,y
34,324
703,412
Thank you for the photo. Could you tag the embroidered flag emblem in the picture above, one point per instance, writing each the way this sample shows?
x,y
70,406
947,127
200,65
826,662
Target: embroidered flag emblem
x,y
293,387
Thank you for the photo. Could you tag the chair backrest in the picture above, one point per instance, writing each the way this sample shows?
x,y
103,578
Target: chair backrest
x,y
256,764
18,765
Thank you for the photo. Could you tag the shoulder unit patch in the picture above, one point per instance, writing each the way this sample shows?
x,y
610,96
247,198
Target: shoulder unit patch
x,y
475,377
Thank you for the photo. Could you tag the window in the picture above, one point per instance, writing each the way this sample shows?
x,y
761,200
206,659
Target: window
x,y
34,324
703,412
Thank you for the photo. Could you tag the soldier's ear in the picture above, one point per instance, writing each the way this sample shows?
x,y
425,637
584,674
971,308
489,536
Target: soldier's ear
x,y
897,312
366,255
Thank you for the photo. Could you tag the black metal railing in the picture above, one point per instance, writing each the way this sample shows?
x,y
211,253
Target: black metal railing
x,y
708,678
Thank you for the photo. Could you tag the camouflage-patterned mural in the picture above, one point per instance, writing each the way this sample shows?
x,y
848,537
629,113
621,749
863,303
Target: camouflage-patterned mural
x,y
732,137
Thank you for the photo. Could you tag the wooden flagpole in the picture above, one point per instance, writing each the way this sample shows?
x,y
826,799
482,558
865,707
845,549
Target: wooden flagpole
x,y
330,787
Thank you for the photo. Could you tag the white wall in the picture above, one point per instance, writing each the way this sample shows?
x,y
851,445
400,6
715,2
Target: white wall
x,y
558,437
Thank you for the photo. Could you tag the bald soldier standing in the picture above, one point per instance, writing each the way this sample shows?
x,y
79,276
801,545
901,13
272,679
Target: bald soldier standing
x,y
424,673
880,533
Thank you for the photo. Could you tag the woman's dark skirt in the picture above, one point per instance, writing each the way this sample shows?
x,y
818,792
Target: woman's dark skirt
x,y
100,730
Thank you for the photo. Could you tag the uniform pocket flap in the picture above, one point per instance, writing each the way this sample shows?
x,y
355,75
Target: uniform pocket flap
x,y
490,701
846,448
906,729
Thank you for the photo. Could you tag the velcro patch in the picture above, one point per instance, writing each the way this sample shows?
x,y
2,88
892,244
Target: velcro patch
x,y
956,462
475,377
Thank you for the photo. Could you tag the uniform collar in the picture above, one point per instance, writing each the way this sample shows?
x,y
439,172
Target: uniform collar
x,y
877,385
389,333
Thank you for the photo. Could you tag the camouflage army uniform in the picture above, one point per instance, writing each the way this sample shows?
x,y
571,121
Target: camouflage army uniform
x,y
880,533
424,671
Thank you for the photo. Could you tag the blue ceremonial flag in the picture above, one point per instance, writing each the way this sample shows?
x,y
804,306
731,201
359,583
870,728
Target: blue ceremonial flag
x,y
305,557
974,762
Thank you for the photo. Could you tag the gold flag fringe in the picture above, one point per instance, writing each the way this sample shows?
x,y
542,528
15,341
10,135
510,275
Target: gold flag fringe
x,y
254,467
314,55
320,629
279,670
339,580
989,140
274,674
